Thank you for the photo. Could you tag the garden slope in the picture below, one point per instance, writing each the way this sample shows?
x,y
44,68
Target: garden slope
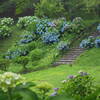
x,y
90,57
57,74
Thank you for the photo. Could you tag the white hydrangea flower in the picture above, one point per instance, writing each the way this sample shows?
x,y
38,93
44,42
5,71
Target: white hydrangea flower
x,y
10,80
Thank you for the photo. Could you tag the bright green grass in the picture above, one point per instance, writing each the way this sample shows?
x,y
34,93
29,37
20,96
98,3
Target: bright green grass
x,y
56,75
89,58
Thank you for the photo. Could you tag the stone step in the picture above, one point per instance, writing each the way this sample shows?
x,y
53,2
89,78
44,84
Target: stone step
x,y
67,60
73,54
59,63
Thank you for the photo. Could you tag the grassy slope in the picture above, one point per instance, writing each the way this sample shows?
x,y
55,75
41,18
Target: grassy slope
x,y
89,61
89,58
56,75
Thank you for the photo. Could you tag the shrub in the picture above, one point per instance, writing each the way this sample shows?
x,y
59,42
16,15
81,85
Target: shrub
x,y
97,43
23,22
44,88
36,54
88,43
23,60
62,46
4,32
6,21
49,8
27,39
14,87
51,36
79,85
65,27
9,80
4,64
42,26
77,26
16,51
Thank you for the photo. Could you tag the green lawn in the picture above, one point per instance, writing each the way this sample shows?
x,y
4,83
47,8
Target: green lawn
x,y
89,61
56,75
89,58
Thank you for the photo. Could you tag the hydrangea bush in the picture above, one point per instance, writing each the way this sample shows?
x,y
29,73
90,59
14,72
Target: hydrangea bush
x,y
4,32
77,25
97,42
16,51
90,42
78,85
62,46
50,37
44,88
27,39
6,21
23,22
10,80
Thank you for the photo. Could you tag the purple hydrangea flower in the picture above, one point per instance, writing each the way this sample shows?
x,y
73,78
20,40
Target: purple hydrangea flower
x,y
71,76
56,89
54,94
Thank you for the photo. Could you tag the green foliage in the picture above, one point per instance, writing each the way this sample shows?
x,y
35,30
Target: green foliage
x,y
23,60
4,64
49,8
36,54
4,32
15,88
6,21
44,88
80,85
24,22
87,58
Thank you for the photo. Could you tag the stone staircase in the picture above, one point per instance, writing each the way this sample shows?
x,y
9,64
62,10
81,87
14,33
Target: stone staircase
x,y
70,57
73,53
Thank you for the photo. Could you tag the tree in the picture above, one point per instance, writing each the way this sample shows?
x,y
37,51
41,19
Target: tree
x,y
49,8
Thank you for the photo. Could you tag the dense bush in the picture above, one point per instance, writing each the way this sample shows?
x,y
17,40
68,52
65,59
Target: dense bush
x,y
88,43
79,85
62,46
44,88
16,51
14,87
23,22
23,60
36,54
27,38
49,8
4,64
51,36
43,25
97,42
4,32
6,21
77,25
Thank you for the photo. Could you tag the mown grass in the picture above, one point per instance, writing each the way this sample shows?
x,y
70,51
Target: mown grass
x,y
90,57
89,61
56,75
